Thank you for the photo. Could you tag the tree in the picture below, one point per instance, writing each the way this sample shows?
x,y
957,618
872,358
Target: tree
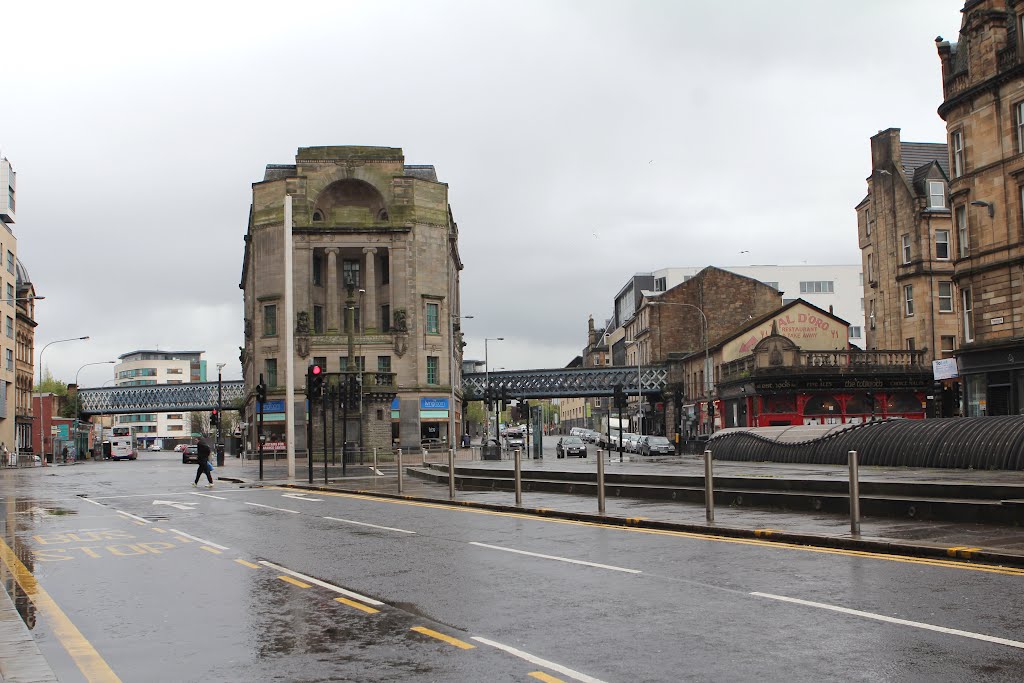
x,y
51,385
474,415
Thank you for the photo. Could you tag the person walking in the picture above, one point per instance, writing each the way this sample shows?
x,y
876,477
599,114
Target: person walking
x,y
203,455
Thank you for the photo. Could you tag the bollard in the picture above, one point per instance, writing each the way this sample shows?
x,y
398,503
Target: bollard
x,y
451,474
519,478
399,470
600,486
375,470
709,488
854,494
423,457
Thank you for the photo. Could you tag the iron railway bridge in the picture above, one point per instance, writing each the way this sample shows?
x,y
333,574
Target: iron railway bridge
x,y
514,384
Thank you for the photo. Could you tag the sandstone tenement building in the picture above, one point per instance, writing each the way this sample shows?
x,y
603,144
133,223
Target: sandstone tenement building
x,y
983,107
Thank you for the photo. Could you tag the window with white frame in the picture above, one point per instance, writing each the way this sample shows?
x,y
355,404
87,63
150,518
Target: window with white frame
x,y
942,245
855,332
867,222
905,241
945,297
958,153
967,306
908,300
871,269
962,236
936,194
1018,115
911,346
817,287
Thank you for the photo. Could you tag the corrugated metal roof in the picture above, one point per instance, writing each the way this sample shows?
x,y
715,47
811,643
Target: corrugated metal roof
x,y
995,443
918,154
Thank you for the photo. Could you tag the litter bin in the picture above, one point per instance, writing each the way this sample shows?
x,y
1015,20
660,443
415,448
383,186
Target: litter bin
x,y
491,450
220,455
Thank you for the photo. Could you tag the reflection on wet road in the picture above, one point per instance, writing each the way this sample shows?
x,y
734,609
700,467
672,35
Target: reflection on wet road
x,y
161,582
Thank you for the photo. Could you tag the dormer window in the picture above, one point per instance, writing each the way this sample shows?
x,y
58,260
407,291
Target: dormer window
x,y
936,194
318,216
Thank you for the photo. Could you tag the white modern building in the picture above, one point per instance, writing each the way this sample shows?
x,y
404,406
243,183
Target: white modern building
x,y
143,367
835,288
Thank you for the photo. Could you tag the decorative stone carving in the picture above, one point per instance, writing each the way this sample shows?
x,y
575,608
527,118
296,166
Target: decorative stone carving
x,y
302,334
248,328
401,344
399,323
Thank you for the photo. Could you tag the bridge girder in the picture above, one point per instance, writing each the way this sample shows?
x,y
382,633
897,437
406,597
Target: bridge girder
x,y
567,382
160,398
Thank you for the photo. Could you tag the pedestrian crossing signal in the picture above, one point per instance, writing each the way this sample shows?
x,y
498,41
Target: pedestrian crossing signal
x,y
214,417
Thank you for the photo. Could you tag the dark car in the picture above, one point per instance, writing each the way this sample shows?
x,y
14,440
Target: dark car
x,y
570,445
190,454
655,445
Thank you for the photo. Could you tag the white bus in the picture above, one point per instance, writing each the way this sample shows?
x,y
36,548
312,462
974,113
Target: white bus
x,y
122,444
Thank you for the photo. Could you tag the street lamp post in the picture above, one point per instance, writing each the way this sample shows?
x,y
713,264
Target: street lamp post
x,y
78,402
708,371
220,418
452,436
42,450
487,384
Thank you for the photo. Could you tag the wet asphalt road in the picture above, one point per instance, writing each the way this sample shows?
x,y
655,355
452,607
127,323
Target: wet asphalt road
x,y
162,584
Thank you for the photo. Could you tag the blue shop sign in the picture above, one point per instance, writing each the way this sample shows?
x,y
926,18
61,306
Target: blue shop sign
x,y
272,407
433,404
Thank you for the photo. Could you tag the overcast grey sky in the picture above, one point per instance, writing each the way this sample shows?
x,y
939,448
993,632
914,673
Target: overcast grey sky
x,y
582,142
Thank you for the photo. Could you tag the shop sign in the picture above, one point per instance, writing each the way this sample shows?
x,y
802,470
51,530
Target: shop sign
x,y
433,404
809,329
272,407
945,368
841,384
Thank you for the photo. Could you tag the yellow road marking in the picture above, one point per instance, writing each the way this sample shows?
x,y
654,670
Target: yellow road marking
x,y
442,637
183,539
357,605
210,550
294,582
541,676
158,530
250,565
140,523
936,562
86,658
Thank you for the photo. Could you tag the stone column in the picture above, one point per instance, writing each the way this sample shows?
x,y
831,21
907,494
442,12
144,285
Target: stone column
x,y
369,303
333,305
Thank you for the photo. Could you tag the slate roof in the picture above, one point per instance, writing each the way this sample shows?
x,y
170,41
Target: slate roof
x,y
278,171
918,154
423,172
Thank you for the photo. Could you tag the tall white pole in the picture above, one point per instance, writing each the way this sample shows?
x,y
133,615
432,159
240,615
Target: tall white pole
x,y
289,340
451,344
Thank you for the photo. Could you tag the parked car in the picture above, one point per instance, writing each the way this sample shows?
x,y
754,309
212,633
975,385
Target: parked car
x,y
590,436
655,445
154,447
570,445
180,447
629,442
190,454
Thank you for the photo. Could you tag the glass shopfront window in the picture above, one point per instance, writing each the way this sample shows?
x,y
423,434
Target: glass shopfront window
x,y
976,401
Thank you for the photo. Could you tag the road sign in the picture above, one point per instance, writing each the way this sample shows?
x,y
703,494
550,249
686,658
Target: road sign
x,y
54,430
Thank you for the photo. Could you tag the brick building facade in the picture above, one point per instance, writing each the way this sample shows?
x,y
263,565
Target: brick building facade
x,y
983,107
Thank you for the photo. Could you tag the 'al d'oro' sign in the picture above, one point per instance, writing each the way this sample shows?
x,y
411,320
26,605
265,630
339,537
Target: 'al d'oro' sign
x,y
809,329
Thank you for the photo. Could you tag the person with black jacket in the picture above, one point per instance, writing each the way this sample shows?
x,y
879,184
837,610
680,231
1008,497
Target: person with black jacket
x,y
203,455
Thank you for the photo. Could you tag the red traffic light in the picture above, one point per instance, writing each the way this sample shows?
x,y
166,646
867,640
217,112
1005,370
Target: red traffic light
x,y
316,370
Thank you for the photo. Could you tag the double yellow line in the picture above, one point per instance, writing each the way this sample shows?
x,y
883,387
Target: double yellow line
x,y
88,661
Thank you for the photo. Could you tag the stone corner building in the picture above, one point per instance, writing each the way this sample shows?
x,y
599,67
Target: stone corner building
x,y
374,242
983,107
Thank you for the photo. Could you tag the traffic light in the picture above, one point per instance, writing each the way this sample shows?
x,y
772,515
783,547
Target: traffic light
x,y
619,397
214,418
314,380
261,392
